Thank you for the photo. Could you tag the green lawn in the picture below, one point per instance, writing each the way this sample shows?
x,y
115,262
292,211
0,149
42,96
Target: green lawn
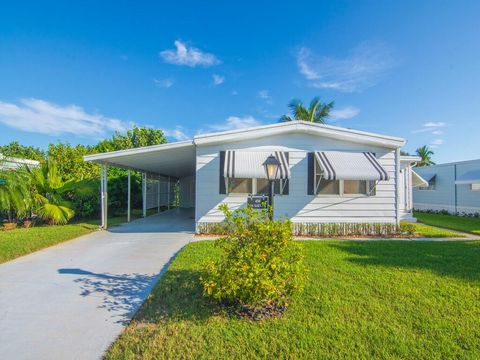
x,y
423,230
467,224
370,299
18,242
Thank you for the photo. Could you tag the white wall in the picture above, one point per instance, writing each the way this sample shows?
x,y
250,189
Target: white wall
x,y
299,206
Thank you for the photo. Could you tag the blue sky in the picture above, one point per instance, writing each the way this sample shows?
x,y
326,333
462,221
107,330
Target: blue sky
x,y
78,71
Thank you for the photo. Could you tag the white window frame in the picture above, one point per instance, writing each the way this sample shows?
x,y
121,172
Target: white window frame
x,y
341,187
283,184
432,186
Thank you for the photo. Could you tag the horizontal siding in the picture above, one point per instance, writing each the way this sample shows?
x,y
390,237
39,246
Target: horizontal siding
x,y
298,206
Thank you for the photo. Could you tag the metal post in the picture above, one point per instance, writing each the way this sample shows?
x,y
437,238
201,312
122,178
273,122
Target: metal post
x,y
397,186
158,194
270,198
168,194
129,196
144,194
103,196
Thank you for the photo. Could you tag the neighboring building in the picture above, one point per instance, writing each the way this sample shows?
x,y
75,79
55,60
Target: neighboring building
x,y
14,163
453,187
328,174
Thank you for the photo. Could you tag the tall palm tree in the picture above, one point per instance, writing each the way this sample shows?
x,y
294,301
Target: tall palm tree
x,y
51,193
426,154
317,112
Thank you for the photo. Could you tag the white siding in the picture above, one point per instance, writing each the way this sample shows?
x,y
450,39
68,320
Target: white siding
x,y
298,206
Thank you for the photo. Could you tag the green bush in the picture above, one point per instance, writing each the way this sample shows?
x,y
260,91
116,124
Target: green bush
x,y
260,267
407,228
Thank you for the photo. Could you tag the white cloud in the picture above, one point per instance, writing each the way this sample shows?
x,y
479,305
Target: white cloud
x,y
347,112
164,83
431,126
235,122
436,143
40,116
361,69
234,92
218,79
264,94
189,56
176,134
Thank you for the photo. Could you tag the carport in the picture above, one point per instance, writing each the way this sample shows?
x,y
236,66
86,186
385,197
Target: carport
x,y
163,168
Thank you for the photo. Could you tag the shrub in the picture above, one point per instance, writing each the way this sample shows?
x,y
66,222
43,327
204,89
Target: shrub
x,y
407,228
260,267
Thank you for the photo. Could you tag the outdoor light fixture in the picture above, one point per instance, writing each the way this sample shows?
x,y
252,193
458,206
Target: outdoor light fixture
x,y
271,166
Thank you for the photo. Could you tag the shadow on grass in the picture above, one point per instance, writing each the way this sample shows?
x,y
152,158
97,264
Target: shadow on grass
x,y
454,259
178,296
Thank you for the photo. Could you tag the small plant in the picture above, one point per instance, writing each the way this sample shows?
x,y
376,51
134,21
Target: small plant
x,y
407,228
260,267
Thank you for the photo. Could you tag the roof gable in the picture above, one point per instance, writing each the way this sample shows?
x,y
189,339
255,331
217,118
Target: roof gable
x,y
304,127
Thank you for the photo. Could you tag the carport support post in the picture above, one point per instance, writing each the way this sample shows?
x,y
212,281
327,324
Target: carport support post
x,y
144,194
129,196
103,196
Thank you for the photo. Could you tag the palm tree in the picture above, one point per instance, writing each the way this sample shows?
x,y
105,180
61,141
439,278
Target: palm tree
x,y
15,197
51,192
426,154
317,112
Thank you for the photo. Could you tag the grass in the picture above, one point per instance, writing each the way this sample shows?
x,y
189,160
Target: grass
x,y
426,231
19,242
461,223
372,299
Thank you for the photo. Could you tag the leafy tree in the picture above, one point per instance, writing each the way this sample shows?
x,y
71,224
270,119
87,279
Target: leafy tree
x,y
15,149
426,154
51,193
404,153
317,112
69,160
137,137
15,199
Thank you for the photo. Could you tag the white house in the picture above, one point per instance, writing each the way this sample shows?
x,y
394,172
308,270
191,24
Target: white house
x,y
9,163
452,187
328,174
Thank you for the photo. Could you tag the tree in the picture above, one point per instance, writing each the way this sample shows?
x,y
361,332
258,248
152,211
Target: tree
x,y
317,112
50,193
14,149
69,160
15,199
426,154
137,137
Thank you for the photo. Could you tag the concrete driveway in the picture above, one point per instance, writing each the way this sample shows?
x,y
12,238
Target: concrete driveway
x,y
72,300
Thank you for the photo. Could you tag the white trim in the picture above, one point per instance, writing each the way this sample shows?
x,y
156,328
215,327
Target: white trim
x,y
397,186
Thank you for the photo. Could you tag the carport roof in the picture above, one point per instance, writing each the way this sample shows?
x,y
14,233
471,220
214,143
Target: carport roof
x,y
174,159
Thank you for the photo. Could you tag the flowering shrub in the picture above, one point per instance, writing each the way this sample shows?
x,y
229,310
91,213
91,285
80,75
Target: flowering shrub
x,y
260,267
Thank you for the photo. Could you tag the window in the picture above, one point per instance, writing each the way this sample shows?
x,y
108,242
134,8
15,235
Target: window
x,y
475,187
328,187
240,186
254,186
341,187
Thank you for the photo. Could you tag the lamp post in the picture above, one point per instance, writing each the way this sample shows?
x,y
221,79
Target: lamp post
x,y
271,165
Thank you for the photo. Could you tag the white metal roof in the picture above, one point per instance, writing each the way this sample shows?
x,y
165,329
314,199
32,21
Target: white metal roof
x,y
179,158
301,127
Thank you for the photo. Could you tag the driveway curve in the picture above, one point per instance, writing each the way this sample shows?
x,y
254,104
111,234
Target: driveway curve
x,y
72,300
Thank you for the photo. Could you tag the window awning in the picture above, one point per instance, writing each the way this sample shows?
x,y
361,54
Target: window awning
x,y
428,177
470,177
249,164
418,180
340,165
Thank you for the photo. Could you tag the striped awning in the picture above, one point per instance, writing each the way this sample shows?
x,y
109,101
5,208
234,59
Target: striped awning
x,y
470,177
341,165
249,164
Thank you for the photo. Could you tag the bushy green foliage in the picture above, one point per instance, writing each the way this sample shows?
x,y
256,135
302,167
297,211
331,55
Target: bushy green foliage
x,y
407,228
260,266
15,149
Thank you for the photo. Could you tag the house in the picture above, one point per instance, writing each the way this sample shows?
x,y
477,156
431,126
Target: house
x,y
452,187
327,175
8,163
